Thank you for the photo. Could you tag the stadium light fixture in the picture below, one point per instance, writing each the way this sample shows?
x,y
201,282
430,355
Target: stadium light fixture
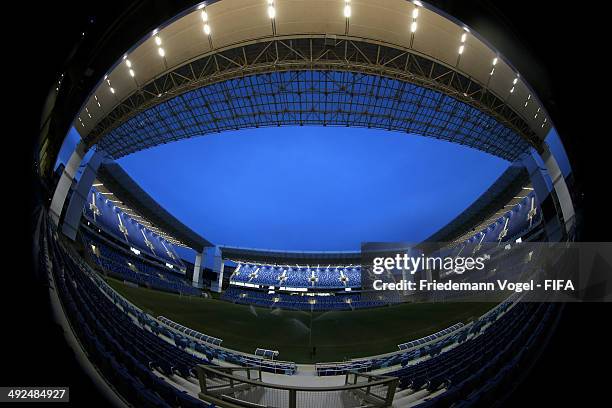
x,y
271,12
347,8
160,50
128,63
415,15
112,90
462,45
417,3
132,73
206,27
514,81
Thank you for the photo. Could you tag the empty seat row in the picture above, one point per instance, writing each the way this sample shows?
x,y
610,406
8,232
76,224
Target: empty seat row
x,y
429,338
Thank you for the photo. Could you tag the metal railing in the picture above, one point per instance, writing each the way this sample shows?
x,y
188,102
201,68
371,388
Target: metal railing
x,y
243,387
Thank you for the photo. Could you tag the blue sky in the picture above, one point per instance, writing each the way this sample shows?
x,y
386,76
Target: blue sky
x,y
313,188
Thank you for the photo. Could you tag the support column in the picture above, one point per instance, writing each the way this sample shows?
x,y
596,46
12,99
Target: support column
x,y
197,268
561,190
65,182
78,199
552,194
217,267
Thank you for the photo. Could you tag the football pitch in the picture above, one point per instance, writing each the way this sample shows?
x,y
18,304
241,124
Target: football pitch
x,y
337,335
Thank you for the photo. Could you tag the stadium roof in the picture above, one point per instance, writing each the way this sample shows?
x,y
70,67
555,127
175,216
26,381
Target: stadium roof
x,y
136,215
230,64
134,200
507,191
291,257
381,64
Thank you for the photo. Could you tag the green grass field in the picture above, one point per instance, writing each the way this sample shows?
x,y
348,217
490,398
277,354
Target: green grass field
x,y
337,335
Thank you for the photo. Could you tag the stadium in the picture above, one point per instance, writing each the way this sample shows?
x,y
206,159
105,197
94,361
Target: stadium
x,y
163,311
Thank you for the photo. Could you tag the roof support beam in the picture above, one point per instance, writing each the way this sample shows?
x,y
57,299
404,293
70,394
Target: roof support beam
x,y
303,53
78,199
